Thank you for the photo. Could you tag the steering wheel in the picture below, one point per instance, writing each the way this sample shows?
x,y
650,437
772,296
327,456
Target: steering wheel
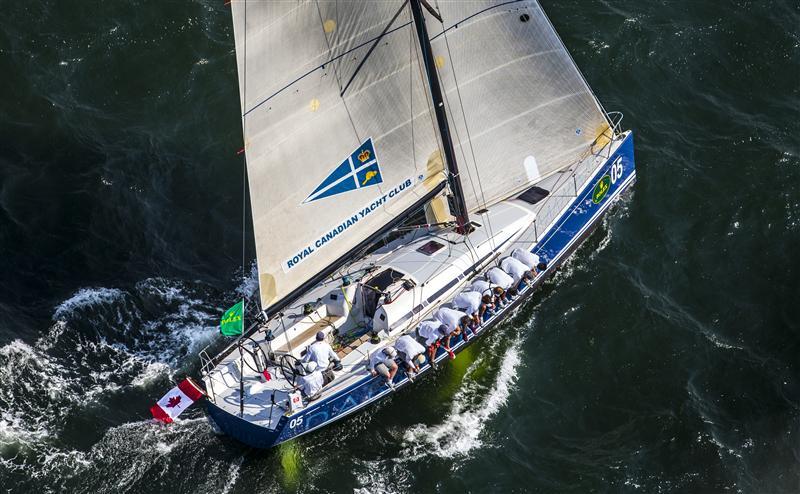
x,y
291,368
253,354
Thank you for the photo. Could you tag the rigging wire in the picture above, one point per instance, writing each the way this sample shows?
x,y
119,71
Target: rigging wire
x,y
244,168
244,212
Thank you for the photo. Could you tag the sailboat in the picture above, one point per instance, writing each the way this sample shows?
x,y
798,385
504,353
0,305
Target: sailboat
x,y
396,151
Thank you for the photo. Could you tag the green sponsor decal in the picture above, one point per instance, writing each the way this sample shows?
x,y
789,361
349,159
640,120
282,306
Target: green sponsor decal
x,y
231,322
601,189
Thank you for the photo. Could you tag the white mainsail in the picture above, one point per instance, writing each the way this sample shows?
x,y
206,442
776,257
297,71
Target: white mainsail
x,y
518,107
327,170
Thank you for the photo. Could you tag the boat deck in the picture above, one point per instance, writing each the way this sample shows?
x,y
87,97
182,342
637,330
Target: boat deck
x,y
514,223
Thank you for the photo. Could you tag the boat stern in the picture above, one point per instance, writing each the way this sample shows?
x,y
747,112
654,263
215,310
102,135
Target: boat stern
x,y
242,430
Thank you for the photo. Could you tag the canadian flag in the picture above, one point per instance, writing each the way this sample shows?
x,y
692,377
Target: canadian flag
x,y
176,401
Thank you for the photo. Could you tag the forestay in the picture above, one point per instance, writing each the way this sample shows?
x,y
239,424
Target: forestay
x,y
519,109
326,169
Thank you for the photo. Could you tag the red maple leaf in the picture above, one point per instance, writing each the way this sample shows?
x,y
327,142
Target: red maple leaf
x,y
173,401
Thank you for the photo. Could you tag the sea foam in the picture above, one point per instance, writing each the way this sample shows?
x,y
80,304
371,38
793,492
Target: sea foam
x,y
461,430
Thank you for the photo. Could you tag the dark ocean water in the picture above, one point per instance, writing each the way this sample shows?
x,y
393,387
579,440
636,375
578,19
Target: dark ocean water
x,y
664,358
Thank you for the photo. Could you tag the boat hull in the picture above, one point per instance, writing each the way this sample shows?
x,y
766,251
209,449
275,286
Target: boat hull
x,y
564,237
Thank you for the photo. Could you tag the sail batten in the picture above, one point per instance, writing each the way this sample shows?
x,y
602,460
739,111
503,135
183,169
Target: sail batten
x,y
503,123
488,73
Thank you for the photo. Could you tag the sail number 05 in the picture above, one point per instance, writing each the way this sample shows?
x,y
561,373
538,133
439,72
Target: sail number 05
x,y
616,170
295,422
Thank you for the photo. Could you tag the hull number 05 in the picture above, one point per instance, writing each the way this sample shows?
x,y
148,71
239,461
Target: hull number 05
x,y
616,170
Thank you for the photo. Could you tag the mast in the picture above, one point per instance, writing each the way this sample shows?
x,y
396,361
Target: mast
x,y
462,217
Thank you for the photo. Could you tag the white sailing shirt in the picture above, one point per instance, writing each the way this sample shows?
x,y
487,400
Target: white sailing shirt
x,y
449,317
481,286
500,278
469,302
378,357
321,353
514,267
527,258
430,331
312,383
409,347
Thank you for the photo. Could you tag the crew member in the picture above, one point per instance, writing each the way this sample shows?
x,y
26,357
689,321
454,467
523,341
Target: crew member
x,y
471,303
487,307
311,384
523,276
411,353
485,288
527,258
481,286
456,322
433,332
500,296
382,362
322,353
503,282
500,278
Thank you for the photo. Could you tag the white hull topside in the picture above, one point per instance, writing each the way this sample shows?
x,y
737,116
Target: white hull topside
x,y
425,283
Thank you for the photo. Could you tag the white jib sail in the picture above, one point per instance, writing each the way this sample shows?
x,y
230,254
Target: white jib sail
x,y
518,107
327,170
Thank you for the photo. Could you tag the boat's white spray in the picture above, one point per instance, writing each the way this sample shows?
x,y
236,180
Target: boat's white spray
x,y
460,431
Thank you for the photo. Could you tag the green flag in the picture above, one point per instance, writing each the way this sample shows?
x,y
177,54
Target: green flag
x,y
231,322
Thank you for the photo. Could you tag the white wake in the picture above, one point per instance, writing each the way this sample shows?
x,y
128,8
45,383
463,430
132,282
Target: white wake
x,y
460,432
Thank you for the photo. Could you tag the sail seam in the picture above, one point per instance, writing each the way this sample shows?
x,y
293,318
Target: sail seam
x,y
300,130
336,71
328,44
575,66
351,50
388,75
455,25
503,66
527,112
